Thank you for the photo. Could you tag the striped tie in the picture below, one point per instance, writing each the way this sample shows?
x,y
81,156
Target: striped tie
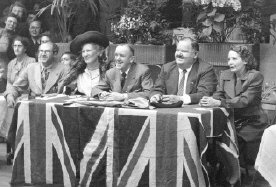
x,y
181,84
44,77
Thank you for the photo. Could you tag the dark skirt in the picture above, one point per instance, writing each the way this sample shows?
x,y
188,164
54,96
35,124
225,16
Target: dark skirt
x,y
249,132
251,128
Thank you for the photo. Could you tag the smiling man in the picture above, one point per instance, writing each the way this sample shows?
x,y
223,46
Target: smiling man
x,y
186,79
127,79
44,77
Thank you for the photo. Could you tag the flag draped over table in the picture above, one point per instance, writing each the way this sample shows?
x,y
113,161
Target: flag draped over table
x,y
110,146
41,145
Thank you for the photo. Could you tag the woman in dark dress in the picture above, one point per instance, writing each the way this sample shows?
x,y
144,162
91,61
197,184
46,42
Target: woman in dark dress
x,y
240,88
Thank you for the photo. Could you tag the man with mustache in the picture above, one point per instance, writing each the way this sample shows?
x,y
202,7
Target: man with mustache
x,y
186,79
126,80
44,77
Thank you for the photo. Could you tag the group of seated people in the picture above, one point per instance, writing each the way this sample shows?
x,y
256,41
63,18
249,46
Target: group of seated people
x,y
188,79
18,24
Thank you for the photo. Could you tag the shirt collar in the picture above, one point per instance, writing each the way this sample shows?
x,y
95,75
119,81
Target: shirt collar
x,y
126,71
43,67
187,70
35,40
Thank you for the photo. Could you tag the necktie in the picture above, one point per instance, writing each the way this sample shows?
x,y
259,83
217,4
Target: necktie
x,y
181,84
44,77
123,79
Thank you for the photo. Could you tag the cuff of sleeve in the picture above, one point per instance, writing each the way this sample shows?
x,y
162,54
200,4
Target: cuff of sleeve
x,y
224,103
125,96
186,99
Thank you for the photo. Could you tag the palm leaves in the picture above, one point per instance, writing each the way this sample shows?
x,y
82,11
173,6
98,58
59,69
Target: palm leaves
x,y
65,10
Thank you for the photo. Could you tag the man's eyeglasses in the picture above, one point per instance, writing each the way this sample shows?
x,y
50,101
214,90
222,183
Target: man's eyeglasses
x,y
34,28
45,51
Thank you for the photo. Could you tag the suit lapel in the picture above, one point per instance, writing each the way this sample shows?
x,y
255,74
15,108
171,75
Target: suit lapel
x,y
37,77
53,77
130,79
192,77
172,79
240,88
116,80
229,84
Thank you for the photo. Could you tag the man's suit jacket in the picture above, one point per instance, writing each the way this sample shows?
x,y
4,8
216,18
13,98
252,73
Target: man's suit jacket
x,y
202,81
32,48
138,82
31,77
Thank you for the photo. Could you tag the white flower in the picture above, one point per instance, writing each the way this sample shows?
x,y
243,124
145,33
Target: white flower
x,y
235,4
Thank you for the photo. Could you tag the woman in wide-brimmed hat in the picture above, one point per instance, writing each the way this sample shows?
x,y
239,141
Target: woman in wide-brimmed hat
x,y
90,65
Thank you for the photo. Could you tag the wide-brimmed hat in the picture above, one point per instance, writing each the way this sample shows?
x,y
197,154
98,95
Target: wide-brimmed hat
x,y
88,37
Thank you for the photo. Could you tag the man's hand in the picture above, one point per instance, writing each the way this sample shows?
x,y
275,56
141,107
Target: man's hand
x,y
103,95
156,98
171,98
10,101
209,102
114,96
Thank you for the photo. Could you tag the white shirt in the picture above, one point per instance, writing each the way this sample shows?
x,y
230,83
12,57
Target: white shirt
x,y
126,71
186,98
87,80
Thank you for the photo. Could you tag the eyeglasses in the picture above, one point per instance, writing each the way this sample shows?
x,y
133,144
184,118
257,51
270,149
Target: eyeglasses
x,y
34,28
17,45
45,51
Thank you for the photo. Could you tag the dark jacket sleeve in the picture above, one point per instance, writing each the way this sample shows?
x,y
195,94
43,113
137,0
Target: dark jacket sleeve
x,y
160,85
206,85
145,87
250,95
102,86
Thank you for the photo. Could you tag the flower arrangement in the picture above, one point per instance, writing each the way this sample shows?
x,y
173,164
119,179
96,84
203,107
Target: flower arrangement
x,y
217,19
141,22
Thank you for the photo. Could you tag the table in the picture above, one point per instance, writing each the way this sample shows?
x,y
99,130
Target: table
x,y
266,158
103,146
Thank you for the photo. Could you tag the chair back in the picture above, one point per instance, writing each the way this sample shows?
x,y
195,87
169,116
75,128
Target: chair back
x,y
155,70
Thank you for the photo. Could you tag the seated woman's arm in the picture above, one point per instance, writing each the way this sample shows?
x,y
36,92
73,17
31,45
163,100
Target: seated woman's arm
x,y
250,96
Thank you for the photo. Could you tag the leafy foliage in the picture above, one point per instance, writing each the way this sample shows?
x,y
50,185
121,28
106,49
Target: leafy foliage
x,y
215,22
141,22
218,19
65,10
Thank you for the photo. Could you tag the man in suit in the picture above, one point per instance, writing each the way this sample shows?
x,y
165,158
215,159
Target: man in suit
x,y
44,77
186,79
34,37
127,79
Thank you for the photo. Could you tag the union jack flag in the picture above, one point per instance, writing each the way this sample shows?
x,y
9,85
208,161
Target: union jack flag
x,y
89,146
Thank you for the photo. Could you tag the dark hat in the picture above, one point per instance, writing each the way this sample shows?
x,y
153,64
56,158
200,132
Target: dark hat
x,y
87,37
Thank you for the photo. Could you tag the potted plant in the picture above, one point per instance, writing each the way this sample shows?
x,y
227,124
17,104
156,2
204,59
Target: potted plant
x,y
64,12
220,24
142,24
